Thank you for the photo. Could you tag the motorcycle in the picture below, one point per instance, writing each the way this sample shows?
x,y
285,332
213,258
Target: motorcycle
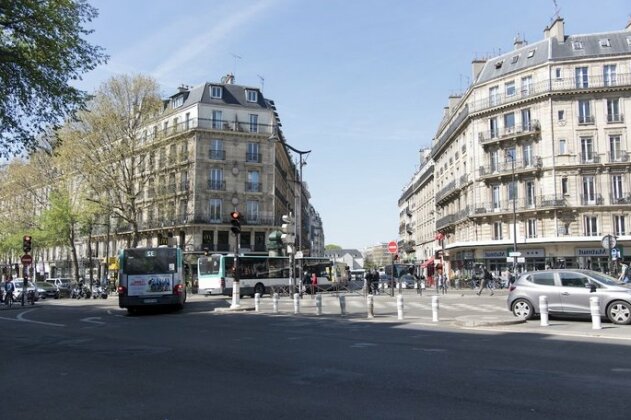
x,y
99,292
80,292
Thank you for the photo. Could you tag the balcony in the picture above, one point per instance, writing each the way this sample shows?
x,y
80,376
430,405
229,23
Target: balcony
x,y
615,118
452,189
620,198
509,133
592,200
618,156
216,185
444,222
586,158
253,187
210,124
543,202
216,154
506,167
253,157
586,120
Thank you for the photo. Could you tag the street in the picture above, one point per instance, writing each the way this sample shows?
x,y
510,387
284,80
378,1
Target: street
x,y
90,360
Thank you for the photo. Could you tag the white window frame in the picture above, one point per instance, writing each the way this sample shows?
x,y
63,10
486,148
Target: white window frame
x,y
619,225
531,228
251,95
497,231
215,210
617,184
254,123
496,197
562,146
252,210
589,190
609,74
581,77
216,92
590,225
510,88
217,119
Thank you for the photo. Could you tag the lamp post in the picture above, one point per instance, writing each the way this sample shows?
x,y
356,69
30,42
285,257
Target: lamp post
x,y
514,192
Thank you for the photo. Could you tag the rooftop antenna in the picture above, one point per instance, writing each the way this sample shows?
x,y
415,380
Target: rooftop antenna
x,y
262,79
234,68
557,10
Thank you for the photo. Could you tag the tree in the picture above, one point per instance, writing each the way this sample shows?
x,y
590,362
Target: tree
x,y
41,53
104,145
332,247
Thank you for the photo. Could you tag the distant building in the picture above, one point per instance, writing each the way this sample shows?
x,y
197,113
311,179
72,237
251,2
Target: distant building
x,y
352,258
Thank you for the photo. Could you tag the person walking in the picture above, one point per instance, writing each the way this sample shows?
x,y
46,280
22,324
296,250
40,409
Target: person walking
x,y
485,281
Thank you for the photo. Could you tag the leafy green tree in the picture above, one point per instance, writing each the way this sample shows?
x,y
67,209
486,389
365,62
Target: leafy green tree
x,y
332,247
41,53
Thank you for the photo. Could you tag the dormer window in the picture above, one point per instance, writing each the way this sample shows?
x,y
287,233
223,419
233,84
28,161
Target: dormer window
x,y
577,45
514,59
531,53
629,41
498,65
605,42
216,92
177,101
251,95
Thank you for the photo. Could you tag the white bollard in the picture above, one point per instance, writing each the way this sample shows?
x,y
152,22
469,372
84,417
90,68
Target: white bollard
x,y
296,303
400,307
257,302
236,295
435,308
370,305
594,306
275,303
342,305
543,310
318,299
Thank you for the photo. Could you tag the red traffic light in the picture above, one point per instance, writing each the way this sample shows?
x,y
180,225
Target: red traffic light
x,y
235,221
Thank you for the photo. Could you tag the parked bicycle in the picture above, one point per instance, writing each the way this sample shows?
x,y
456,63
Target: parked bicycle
x,y
8,300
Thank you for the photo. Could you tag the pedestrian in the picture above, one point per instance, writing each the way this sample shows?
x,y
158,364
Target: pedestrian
x,y
314,282
625,276
375,282
368,281
485,281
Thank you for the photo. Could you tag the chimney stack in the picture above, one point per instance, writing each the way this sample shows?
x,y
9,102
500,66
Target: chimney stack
x,y
556,30
476,68
517,42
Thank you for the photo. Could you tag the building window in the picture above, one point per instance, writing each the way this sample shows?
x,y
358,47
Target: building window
x,y
216,151
564,186
177,101
582,77
584,112
617,193
216,92
251,95
590,225
561,115
252,211
497,231
252,153
215,210
531,53
562,146
619,226
527,154
609,75
254,182
510,89
531,228
494,159
613,111
215,179
605,42
497,204
493,128
577,45
512,191
615,149
165,127
509,122
558,73
530,194
187,121
589,191
494,96
514,59
587,150
525,119
254,123
217,120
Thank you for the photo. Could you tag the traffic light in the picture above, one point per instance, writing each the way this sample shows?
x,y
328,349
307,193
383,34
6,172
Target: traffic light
x,y
288,228
26,244
235,221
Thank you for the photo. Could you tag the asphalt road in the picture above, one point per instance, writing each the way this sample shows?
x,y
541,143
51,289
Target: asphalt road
x,y
90,360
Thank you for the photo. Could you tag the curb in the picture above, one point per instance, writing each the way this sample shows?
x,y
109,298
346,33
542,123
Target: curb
x,y
472,321
240,308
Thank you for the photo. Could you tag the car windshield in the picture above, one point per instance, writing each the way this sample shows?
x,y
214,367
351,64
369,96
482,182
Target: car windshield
x,y
605,279
44,285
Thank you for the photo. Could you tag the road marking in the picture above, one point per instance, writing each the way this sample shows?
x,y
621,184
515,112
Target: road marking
x,y
20,318
362,345
93,320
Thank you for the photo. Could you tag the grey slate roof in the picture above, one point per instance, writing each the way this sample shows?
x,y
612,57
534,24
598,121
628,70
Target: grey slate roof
x,y
341,252
553,50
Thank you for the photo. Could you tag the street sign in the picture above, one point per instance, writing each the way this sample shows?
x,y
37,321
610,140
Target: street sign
x,y
615,253
393,247
26,259
510,259
608,241
514,254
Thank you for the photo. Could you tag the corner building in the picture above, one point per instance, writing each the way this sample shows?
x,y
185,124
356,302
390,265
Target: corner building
x,y
535,154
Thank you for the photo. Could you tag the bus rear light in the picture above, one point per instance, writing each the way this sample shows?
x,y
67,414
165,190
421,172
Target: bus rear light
x,y
178,289
122,290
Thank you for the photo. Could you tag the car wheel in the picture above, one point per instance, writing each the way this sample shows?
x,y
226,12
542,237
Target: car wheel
x,y
523,309
619,312
260,289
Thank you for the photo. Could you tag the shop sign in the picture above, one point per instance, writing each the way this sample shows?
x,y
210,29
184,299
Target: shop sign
x,y
467,255
591,252
495,254
533,253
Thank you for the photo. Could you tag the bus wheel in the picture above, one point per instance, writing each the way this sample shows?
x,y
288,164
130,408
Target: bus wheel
x,y
260,289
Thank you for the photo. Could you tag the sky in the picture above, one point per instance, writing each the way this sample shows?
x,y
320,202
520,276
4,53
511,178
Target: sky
x,y
361,83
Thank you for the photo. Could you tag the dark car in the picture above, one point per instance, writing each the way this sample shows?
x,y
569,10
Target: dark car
x,y
568,291
46,290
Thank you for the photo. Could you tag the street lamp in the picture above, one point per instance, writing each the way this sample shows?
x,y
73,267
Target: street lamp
x,y
511,154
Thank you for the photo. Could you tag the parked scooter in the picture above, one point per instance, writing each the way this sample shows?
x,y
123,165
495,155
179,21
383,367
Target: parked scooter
x,y
80,292
99,292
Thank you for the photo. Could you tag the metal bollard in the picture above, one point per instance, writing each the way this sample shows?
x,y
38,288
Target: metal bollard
x,y
400,307
435,308
594,307
296,303
370,304
318,299
342,305
543,310
275,303
257,302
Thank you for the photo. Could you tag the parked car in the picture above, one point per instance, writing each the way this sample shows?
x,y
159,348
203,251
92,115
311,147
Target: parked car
x,y
46,290
568,292
19,286
63,285
407,281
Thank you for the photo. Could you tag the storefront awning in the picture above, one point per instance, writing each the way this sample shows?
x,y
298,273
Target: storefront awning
x,y
428,262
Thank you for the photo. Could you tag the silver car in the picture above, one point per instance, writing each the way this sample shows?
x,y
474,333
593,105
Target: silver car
x,y
568,292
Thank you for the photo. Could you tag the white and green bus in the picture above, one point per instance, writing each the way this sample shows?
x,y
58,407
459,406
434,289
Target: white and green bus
x,y
151,276
258,274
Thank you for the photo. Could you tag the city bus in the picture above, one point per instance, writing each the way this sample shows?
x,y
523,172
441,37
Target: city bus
x,y
257,274
151,276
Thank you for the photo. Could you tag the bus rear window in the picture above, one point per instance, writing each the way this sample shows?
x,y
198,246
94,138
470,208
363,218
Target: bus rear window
x,y
209,265
150,261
